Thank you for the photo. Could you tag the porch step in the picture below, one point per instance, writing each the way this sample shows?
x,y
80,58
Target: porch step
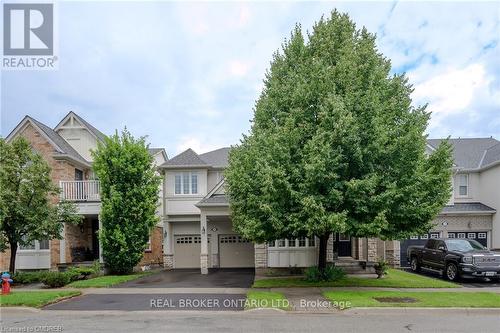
x,y
65,266
352,266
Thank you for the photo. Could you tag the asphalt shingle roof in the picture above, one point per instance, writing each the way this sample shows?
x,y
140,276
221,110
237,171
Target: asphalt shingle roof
x,y
59,141
468,152
154,151
467,207
217,158
215,199
186,158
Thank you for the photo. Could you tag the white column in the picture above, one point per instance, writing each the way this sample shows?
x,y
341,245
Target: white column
x,y
62,246
204,243
168,244
101,259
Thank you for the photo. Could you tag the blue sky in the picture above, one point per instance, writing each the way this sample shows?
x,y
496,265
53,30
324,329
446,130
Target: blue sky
x,y
188,74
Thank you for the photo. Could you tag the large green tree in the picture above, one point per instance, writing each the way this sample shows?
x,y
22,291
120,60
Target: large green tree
x,y
129,198
336,146
28,199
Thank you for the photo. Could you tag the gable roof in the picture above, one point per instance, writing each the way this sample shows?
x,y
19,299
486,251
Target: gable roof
x,y
472,153
187,158
154,151
217,158
214,197
63,148
94,131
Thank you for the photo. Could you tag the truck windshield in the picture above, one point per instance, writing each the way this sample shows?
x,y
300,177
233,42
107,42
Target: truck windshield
x,y
463,245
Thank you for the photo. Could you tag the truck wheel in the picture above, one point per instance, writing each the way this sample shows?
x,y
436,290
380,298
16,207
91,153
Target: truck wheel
x,y
414,264
451,272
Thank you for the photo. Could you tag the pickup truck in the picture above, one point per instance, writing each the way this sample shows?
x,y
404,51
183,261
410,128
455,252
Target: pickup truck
x,y
455,258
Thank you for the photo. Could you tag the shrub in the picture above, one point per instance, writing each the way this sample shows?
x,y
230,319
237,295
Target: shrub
x,y
28,277
330,273
96,268
57,279
381,268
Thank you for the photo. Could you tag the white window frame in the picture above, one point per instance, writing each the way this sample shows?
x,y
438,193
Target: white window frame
x,y
187,189
459,184
36,249
148,249
482,235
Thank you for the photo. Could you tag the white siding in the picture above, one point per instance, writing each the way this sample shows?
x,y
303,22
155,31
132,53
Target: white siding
x,y
473,189
489,182
184,203
81,140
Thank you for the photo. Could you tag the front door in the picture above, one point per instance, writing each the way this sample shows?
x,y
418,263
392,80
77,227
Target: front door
x,y
343,243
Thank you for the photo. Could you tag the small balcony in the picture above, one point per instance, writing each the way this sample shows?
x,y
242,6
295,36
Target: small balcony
x,y
80,190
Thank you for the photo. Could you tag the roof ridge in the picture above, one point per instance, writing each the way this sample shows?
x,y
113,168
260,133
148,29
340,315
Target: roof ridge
x,y
100,135
51,134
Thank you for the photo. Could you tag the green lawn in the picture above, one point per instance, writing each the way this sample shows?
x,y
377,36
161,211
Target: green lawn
x,y
423,299
394,279
35,298
106,280
266,299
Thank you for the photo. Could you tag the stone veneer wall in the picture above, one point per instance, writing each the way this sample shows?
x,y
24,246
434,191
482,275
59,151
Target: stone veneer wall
x,y
61,170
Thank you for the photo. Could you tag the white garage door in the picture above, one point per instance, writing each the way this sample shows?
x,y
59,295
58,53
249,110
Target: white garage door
x,y
235,251
187,250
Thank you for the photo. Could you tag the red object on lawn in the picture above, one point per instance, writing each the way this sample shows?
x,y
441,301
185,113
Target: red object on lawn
x,y
6,281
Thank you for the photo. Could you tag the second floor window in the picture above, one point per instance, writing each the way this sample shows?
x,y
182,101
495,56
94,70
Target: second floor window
x,y
186,183
463,185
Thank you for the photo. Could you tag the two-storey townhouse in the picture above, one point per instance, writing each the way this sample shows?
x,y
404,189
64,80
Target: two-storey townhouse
x,y
198,230
472,209
66,148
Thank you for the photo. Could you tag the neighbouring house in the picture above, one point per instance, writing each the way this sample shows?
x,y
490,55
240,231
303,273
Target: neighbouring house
x,y
66,148
198,231
472,210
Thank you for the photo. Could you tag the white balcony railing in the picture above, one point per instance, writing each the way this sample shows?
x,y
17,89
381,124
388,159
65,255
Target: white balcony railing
x,y
80,190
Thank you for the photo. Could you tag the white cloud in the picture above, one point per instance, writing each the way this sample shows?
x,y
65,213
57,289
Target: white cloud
x,y
197,144
452,91
238,68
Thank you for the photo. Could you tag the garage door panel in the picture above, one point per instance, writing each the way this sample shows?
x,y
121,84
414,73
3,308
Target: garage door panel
x,y
187,250
235,251
479,236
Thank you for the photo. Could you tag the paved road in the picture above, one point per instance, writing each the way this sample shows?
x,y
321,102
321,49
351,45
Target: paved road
x,y
359,320
191,278
153,302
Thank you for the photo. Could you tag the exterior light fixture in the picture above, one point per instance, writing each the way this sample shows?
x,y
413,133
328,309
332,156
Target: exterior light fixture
x,y
203,230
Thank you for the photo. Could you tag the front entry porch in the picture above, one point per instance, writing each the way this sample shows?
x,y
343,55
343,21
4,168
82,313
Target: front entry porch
x,y
80,243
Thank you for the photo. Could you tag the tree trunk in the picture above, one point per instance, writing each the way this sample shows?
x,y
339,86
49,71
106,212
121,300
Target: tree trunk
x,y
13,253
323,242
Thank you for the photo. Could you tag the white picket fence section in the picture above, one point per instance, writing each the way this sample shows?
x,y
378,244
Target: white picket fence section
x,y
80,190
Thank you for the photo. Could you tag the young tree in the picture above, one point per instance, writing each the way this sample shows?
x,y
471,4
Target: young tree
x,y
129,198
28,208
336,146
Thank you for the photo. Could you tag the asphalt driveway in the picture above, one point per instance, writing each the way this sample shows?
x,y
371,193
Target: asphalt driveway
x,y
191,278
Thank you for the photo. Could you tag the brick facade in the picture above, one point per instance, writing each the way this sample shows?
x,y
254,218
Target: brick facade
x,y
155,256
60,170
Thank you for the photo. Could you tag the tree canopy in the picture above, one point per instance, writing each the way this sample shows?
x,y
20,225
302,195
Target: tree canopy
x,y
28,199
129,198
336,145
